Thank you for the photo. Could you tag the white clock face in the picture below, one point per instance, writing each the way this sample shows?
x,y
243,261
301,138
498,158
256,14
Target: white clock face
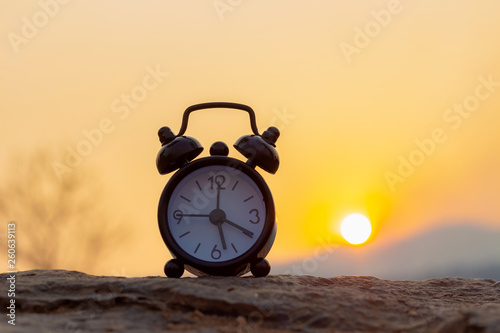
x,y
216,213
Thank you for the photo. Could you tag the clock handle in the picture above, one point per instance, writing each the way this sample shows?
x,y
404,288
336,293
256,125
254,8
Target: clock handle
x,y
213,105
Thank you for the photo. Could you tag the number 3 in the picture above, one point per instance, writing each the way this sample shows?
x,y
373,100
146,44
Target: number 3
x,y
256,216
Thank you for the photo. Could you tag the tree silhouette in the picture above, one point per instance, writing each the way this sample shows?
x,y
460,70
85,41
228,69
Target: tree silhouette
x,y
60,223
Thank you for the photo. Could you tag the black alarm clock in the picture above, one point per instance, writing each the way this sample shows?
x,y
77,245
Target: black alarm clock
x,y
216,214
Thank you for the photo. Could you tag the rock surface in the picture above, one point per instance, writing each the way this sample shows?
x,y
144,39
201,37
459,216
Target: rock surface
x,y
69,301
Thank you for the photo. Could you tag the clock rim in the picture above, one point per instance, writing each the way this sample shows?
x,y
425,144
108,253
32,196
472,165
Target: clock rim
x,y
235,266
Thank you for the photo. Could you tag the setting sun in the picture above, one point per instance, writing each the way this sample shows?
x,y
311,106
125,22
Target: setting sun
x,y
356,229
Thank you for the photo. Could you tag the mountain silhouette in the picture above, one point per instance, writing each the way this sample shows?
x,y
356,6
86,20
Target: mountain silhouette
x,y
456,251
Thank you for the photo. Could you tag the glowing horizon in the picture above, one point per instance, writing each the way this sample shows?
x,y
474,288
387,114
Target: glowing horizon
x,y
385,108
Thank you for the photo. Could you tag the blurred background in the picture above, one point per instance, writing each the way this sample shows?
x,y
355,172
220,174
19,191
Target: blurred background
x,y
390,109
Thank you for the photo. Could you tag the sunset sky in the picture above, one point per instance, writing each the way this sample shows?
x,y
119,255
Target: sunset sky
x,y
386,108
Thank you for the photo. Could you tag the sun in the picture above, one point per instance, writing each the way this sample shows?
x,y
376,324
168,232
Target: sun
x,y
356,229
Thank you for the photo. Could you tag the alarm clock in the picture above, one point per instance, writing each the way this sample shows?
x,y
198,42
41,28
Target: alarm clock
x,y
216,214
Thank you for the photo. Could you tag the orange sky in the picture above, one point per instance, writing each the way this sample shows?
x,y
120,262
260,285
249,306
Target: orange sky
x,y
349,106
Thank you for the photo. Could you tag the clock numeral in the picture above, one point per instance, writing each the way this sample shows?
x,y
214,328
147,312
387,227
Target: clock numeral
x,y
196,250
216,254
256,216
218,180
178,215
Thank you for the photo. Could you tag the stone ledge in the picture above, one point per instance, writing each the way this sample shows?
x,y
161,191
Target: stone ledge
x,y
70,301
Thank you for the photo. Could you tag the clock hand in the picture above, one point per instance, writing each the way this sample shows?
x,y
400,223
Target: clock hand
x,y
219,180
221,233
178,215
218,195
245,231
196,215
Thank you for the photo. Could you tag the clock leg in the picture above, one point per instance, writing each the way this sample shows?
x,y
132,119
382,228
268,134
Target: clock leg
x,y
174,268
260,267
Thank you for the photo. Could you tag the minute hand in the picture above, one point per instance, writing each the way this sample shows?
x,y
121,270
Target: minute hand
x,y
245,231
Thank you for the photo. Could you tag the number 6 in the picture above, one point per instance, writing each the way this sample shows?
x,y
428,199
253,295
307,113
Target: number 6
x,y
216,254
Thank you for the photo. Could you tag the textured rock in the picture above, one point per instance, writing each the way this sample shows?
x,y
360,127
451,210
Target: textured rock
x,y
68,301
